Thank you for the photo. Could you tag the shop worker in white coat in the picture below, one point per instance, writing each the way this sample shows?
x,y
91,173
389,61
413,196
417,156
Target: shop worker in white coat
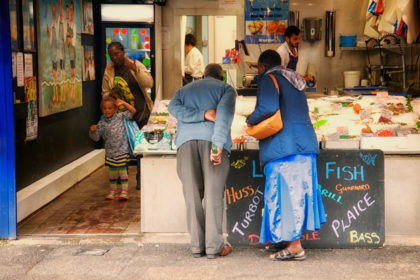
x,y
288,51
194,63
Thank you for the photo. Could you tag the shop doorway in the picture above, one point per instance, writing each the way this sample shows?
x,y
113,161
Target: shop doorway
x,y
83,210
215,35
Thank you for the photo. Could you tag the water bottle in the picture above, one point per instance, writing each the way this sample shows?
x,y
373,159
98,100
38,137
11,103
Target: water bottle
x,y
213,149
134,39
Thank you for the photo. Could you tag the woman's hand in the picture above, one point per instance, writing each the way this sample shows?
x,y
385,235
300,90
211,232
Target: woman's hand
x,y
247,122
129,64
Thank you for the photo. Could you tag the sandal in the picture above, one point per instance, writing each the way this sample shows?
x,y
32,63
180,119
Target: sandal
x,y
286,255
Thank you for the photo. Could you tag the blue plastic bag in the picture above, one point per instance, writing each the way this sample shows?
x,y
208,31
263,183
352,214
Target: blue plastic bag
x,y
132,129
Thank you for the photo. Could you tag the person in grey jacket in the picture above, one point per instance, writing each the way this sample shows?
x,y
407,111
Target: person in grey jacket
x,y
204,110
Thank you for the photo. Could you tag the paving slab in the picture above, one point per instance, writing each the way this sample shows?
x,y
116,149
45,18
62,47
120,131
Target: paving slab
x,y
128,258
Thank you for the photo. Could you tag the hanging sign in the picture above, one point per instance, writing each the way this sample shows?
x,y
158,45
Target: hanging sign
x,y
265,21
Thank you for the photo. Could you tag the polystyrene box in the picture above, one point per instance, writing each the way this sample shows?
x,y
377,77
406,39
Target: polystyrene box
x,y
409,143
352,144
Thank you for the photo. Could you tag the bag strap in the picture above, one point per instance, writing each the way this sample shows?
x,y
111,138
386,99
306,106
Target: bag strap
x,y
275,82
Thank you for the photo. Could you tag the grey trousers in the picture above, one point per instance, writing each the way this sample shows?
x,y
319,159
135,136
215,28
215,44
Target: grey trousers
x,y
203,182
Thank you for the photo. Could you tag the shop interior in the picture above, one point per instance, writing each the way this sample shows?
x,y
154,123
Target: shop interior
x,y
82,209
326,60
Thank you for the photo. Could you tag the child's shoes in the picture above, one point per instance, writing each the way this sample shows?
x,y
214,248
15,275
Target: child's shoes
x,y
123,195
110,196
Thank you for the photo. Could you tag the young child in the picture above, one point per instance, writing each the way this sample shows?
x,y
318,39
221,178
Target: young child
x,y
112,130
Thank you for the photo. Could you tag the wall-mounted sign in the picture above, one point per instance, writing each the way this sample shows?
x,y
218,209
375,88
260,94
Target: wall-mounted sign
x,y
265,21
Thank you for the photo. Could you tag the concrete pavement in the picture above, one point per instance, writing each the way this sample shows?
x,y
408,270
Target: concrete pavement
x,y
126,257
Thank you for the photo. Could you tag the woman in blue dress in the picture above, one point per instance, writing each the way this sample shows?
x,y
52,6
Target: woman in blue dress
x,y
292,200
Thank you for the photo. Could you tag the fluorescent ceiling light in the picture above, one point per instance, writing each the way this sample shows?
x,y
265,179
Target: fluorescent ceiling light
x,y
127,12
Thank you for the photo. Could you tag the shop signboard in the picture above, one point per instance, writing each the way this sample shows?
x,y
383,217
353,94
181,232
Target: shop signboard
x,y
265,21
351,183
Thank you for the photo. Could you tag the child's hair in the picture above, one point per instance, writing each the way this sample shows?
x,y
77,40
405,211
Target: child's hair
x,y
113,93
107,98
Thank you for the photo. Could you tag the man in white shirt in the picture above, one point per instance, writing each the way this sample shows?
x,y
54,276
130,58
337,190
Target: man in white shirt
x,y
288,50
194,63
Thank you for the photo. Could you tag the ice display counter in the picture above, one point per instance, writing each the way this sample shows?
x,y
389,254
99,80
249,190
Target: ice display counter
x,y
382,121
162,203
386,122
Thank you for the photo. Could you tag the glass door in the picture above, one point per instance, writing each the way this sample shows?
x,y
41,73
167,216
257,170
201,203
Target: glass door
x,y
136,42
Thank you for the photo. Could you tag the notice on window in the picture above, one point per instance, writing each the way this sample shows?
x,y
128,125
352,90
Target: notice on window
x,y
20,70
265,21
29,72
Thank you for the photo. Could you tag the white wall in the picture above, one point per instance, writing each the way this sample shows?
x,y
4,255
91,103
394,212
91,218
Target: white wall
x,y
225,29
329,70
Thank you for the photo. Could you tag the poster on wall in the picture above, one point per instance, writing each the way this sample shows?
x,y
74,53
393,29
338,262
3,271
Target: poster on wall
x,y
32,121
28,21
87,17
13,65
59,56
88,63
265,21
30,89
32,116
13,25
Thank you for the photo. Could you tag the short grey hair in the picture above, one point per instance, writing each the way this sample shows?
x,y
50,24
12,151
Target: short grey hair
x,y
214,70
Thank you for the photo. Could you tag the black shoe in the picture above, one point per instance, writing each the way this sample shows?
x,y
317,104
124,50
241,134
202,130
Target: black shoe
x,y
198,255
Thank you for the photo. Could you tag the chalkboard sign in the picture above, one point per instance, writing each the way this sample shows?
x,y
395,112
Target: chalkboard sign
x,y
244,198
352,187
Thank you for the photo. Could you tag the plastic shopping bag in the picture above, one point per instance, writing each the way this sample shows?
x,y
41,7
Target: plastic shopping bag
x,y
132,129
